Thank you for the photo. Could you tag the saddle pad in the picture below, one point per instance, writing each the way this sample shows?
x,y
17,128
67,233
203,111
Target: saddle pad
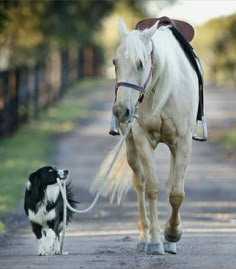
x,y
185,28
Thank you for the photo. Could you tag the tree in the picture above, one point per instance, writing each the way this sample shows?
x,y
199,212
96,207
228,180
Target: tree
x,y
30,29
224,63
215,43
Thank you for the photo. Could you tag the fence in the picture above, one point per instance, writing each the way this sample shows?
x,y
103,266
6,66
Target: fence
x,y
26,91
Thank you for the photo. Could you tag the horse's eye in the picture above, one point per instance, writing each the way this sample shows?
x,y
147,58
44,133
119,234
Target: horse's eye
x,y
140,65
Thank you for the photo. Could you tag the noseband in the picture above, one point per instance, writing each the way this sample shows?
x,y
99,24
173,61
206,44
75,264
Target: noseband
x,y
136,87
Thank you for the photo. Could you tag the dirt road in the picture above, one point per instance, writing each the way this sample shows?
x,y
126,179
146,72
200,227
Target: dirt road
x,y
106,238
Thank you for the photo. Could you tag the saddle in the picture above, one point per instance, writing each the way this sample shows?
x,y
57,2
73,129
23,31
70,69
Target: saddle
x,y
184,28
184,33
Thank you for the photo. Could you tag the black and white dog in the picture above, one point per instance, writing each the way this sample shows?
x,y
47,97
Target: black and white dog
x,y
43,205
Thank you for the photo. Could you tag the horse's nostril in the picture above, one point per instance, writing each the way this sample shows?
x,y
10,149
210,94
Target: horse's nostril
x,y
127,113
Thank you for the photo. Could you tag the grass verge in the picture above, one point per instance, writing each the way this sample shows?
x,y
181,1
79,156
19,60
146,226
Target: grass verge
x,y
30,147
229,138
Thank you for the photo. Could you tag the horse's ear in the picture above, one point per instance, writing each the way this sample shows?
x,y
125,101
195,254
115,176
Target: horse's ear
x,y
122,30
148,33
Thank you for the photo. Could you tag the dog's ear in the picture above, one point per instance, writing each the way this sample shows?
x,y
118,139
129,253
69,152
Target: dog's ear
x,y
33,178
35,181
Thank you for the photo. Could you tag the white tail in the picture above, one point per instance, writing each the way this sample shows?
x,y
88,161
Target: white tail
x,y
119,180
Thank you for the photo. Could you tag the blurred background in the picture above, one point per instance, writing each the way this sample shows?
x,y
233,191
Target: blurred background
x,y
33,30
46,47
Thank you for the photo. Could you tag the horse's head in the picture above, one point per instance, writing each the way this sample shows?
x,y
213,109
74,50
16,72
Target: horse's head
x,y
133,66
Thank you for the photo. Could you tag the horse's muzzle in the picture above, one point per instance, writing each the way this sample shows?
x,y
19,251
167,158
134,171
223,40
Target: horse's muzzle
x,y
121,112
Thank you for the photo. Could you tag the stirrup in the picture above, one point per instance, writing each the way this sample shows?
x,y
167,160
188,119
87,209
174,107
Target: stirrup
x,y
204,131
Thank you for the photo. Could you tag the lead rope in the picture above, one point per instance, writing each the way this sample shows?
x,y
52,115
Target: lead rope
x,y
103,181
63,191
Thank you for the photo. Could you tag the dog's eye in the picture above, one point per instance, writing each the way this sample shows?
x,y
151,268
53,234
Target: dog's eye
x,y
50,170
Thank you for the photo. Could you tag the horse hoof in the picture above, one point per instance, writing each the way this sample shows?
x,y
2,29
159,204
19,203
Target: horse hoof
x,y
155,249
142,247
170,247
173,238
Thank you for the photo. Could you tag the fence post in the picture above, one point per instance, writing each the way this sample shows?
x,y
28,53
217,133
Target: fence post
x,y
24,91
64,71
4,113
36,90
13,99
88,60
81,63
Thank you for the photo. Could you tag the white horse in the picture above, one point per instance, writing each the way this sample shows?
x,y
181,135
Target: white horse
x,y
154,62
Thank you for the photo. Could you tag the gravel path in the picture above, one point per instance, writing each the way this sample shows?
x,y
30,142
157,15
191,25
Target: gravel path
x,y
106,238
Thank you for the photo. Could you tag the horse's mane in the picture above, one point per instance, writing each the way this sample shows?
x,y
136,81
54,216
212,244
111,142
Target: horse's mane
x,y
134,48
172,64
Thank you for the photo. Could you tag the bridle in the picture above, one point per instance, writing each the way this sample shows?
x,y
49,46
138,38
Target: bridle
x,y
136,87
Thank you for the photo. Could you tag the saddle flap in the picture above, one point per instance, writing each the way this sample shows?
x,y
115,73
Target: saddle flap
x,y
185,28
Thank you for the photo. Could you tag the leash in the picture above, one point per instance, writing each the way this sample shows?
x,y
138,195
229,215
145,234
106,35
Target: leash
x,y
62,186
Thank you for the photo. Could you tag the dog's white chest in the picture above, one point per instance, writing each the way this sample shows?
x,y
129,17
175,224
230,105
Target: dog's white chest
x,y
52,192
42,215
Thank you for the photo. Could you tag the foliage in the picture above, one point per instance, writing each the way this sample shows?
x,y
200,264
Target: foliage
x,y
35,27
228,138
216,42
131,14
30,29
109,37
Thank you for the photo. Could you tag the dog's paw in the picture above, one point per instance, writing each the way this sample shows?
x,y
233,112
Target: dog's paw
x,y
56,247
42,253
41,250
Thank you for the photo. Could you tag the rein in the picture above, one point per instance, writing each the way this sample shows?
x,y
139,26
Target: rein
x,y
136,87
62,186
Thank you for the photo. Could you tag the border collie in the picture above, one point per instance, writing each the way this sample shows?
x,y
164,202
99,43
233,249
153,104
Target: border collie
x,y
43,205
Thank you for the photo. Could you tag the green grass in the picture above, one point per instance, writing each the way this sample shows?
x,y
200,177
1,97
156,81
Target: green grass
x,y
229,138
30,147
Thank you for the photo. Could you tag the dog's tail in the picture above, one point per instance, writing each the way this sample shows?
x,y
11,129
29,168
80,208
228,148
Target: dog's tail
x,y
119,180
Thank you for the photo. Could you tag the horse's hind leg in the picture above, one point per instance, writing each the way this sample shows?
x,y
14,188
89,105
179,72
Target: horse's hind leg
x,y
180,155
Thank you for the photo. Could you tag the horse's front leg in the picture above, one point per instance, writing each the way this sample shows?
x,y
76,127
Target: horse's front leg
x,y
147,186
139,185
180,155
147,157
143,221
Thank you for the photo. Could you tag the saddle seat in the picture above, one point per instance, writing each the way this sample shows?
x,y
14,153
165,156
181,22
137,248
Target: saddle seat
x,y
184,28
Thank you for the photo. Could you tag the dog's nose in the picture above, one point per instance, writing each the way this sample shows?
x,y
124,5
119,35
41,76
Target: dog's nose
x,y
66,172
